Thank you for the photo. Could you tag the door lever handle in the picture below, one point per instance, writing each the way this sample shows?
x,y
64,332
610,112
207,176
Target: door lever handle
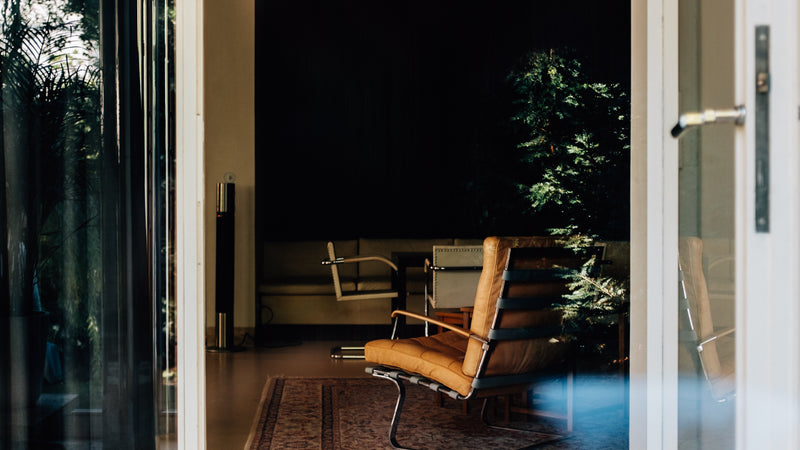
x,y
695,119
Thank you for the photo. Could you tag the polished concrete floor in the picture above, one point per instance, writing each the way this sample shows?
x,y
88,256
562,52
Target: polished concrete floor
x,y
234,382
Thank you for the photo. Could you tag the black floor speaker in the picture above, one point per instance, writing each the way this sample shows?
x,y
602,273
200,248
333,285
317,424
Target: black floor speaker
x,y
226,233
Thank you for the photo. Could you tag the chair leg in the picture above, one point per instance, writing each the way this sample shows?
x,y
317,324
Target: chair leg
x,y
570,396
485,419
339,352
527,408
401,397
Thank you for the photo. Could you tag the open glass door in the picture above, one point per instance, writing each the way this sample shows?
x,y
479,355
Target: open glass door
x,y
736,341
707,231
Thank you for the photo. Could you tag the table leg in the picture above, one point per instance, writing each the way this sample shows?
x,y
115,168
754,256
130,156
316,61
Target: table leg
x,y
399,303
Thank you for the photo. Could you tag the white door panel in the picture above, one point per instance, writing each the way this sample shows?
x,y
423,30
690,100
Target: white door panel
x,y
702,54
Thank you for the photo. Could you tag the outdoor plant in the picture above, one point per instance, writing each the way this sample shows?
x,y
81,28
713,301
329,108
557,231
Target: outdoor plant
x,y
592,297
575,145
574,133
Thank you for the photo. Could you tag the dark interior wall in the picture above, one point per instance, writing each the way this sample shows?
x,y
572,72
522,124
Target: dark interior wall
x,y
391,118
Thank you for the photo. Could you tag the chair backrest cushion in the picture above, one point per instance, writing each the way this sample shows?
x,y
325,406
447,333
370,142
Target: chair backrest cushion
x,y
495,257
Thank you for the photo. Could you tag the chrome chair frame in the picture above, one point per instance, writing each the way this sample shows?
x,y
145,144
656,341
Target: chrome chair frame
x,y
351,352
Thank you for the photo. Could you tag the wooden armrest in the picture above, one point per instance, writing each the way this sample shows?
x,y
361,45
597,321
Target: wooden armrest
x,y
451,327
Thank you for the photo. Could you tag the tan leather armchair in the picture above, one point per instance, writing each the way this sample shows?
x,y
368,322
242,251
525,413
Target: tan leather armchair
x,y
516,334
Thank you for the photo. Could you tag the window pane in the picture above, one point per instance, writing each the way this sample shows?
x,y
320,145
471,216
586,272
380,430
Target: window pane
x,y
159,100
706,308
76,211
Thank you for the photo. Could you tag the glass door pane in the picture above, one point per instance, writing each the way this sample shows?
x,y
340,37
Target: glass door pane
x,y
81,266
706,223
159,97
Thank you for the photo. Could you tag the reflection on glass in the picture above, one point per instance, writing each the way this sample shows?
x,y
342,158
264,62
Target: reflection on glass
x,y
706,245
78,362
52,146
160,102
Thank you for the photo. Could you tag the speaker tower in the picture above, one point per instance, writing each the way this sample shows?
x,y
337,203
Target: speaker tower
x,y
226,196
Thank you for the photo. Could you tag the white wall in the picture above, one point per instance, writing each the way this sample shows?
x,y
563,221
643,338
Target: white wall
x,y
229,143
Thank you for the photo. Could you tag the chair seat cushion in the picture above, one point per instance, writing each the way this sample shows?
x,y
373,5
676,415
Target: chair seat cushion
x,y
438,357
367,295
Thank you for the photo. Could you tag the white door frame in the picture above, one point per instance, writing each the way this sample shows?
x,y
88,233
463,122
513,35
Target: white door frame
x,y
651,415
767,314
654,230
768,340
189,184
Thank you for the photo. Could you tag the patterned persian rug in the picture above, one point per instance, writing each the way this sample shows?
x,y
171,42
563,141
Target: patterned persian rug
x,y
355,413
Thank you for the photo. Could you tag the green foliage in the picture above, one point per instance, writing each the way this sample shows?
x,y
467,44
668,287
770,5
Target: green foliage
x,y
592,297
575,145
50,108
575,149
89,22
